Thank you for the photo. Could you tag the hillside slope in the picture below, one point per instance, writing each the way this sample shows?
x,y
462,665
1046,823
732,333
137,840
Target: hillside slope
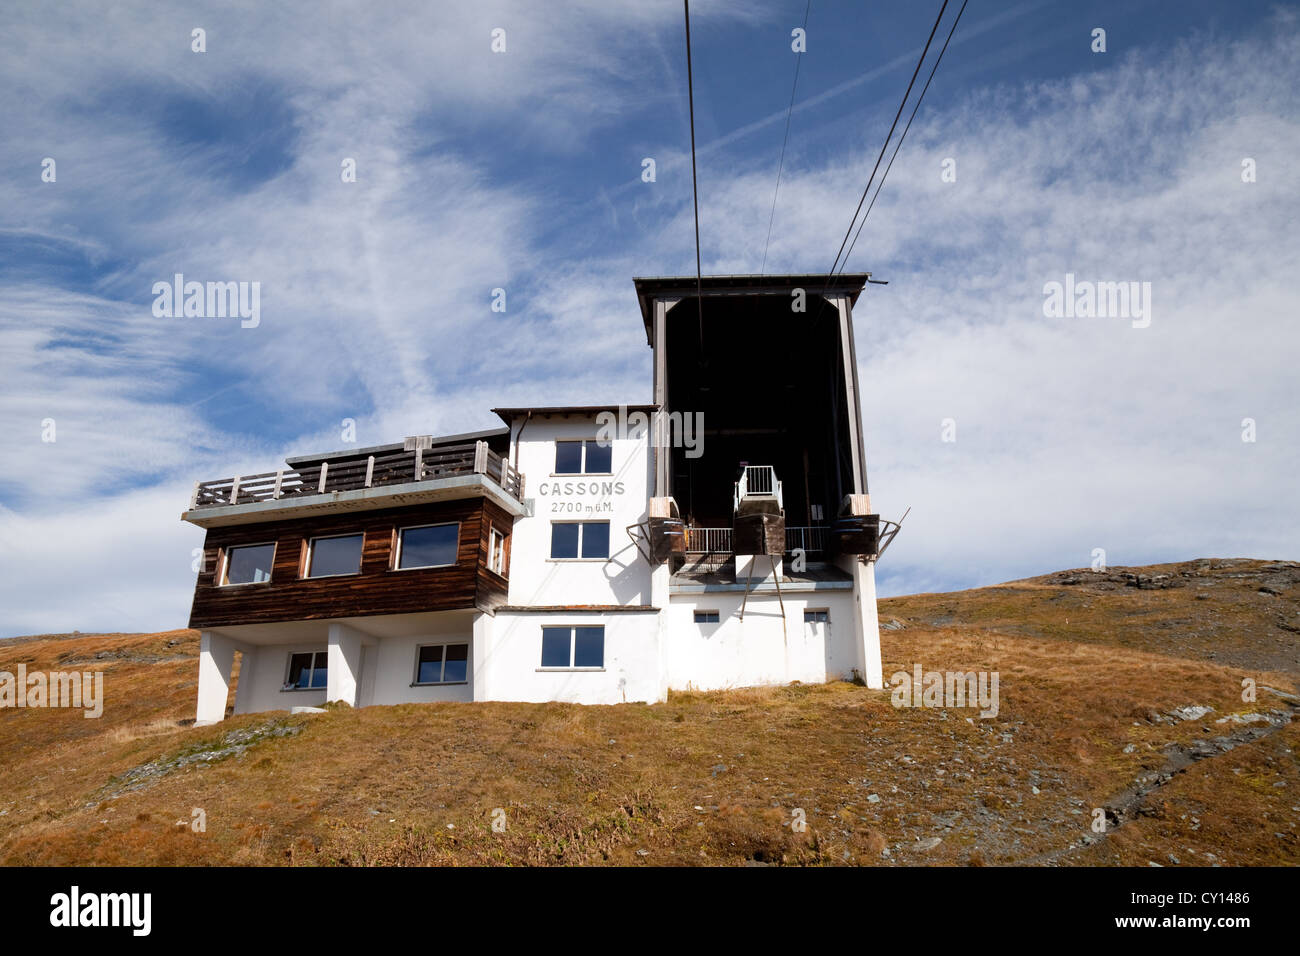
x,y
1097,672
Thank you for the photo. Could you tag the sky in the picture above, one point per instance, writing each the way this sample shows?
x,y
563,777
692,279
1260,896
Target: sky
x,y
1022,441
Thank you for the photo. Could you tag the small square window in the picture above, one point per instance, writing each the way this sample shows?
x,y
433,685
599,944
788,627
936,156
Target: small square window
x,y
706,617
337,555
590,457
821,616
248,564
586,539
572,647
442,664
307,671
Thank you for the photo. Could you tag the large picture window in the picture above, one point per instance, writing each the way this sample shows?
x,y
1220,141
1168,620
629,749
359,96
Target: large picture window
x,y
248,564
430,546
337,555
307,671
579,539
442,664
570,648
588,457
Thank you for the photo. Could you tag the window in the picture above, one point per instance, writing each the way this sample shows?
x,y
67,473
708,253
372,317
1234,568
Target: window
x,y
589,457
338,555
442,664
497,552
820,616
431,546
706,617
307,671
573,647
580,539
248,564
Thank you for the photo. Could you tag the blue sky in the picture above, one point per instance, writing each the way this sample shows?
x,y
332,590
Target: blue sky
x,y
521,170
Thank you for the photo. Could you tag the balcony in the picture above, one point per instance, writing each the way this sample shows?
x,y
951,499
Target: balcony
x,y
717,541
421,474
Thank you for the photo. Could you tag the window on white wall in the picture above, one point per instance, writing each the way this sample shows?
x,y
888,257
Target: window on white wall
x,y
307,671
579,539
817,616
589,457
706,617
570,647
248,564
442,664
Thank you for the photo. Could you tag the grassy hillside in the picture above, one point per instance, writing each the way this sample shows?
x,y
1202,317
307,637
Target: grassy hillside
x,y
1093,667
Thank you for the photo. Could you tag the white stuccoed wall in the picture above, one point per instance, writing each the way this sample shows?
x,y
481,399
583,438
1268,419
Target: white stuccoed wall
x,y
261,679
756,651
534,577
394,662
631,671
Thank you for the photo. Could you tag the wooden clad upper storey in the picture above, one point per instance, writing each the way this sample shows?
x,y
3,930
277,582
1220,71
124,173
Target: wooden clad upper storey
x,y
419,526
430,557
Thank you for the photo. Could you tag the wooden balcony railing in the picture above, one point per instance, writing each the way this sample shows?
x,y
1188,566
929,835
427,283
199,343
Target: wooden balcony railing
x,y
400,467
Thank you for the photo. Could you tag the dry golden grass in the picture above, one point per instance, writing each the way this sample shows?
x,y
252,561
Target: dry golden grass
x,y
705,778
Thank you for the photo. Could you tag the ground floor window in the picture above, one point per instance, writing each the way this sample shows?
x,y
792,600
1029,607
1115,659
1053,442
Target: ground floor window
x,y
307,671
818,616
706,617
567,648
442,664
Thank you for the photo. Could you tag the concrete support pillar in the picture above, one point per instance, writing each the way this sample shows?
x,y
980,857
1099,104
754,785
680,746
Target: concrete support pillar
x,y
344,663
660,580
248,664
216,661
868,622
480,656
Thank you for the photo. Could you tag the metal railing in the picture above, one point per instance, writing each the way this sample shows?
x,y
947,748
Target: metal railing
x,y
757,481
398,467
718,540
708,540
809,538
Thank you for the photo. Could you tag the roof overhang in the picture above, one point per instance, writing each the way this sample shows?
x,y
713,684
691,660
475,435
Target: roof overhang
x,y
649,288
509,415
360,499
